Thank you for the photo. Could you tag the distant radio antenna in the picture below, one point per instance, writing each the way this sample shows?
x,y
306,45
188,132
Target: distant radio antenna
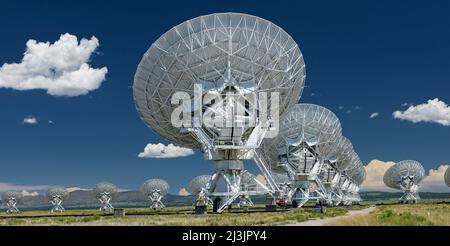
x,y
199,187
104,192
405,176
56,196
11,199
155,190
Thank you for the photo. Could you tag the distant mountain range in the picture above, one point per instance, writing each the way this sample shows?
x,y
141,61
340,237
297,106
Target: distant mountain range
x,y
85,199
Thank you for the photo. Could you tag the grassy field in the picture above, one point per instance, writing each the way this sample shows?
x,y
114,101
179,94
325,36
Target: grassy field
x,y
90,217
422,214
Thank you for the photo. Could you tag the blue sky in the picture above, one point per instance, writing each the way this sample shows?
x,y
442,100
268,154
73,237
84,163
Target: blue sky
x,y
361,57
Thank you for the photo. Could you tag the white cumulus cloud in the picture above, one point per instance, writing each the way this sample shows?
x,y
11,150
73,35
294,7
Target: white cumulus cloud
x,y
183,192
27,193
374,176
30,120
162,151
434,182
435,111
373,115
61,68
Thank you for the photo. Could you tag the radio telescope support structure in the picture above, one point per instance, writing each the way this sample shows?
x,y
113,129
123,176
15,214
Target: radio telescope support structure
x,y
104,193
307,135
11,199
222,67
155,190
56,196
405,176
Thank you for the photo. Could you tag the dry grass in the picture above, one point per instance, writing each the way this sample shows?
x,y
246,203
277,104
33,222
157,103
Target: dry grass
x,y
225,219
402,215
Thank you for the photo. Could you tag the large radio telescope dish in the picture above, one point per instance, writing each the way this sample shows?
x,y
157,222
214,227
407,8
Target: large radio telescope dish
x,y
216,51
344,153
59,192
10,199
394,174
11,194
198,183
104,188
56,196
308,123
155,184
104,192
447,176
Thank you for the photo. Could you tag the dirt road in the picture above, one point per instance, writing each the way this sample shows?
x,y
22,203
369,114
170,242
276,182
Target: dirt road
x,y
327,221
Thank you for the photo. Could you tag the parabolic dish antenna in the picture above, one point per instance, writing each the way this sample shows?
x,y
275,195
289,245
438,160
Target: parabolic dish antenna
x,y
56,196
10,199
228,61
308,136
104,192
305,124
216,51
199,183
155,190
405,176
199,187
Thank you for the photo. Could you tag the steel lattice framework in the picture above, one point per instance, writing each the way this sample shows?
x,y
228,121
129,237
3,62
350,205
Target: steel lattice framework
x,y
230,54
447,177
56,196
10,200
104,192
155,190
406,176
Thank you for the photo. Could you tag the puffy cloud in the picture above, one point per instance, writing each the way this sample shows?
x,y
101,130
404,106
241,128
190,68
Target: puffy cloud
x,y
183,192
162,151
27,193
374,179
435,111
373,115
30,120
72,189
60,68
434,182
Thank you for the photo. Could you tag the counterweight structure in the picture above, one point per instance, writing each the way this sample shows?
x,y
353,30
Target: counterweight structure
x,y
155,190
405,176
232,63
104,192
56,196
10,200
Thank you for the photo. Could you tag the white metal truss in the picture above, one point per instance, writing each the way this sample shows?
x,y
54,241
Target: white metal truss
x,y
11,205
105,202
